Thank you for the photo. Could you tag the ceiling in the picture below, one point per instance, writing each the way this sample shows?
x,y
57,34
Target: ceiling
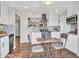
x,y
36,7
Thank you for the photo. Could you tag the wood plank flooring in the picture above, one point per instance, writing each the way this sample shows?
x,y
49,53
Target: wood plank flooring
x,y
23,51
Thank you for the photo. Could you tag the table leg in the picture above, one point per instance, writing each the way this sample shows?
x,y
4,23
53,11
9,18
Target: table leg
x,y
48,54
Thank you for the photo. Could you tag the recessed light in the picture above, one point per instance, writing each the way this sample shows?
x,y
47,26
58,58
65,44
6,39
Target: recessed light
x,y
25,7
57,10
47,2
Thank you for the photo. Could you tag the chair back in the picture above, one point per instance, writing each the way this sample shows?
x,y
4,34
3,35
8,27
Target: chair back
x,y
63,37
29,40
55,35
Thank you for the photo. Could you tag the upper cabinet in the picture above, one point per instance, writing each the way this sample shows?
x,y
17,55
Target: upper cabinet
x,y
4,13
53,20
7,14
71,10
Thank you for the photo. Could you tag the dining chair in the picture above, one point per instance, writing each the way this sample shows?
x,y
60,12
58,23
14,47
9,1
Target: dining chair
x,y
35,49
60,45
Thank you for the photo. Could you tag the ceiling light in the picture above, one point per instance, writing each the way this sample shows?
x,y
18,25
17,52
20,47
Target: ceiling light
x,y
47,3
25,7
57,10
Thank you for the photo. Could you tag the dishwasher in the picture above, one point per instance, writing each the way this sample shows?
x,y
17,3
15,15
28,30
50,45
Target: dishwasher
x,y
11,42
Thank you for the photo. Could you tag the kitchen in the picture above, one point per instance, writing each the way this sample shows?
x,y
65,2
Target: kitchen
x,y
50,21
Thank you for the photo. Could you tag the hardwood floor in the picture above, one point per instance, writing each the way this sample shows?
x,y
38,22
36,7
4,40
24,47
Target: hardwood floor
x,y
23,51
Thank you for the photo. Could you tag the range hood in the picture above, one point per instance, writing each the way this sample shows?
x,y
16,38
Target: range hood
x,y
44,17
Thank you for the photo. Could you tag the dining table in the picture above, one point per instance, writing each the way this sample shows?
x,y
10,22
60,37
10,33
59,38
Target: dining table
x,y
47,43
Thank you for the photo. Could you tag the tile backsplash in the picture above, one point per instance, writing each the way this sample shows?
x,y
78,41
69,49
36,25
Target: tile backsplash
x,y
9,29
54,28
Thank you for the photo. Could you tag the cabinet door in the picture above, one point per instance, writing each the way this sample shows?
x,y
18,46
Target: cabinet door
x,y
72,43
4,13
4,46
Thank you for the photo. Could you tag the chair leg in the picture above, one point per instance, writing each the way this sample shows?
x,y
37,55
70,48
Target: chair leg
x,y
30,55
56,53
43,55
63,53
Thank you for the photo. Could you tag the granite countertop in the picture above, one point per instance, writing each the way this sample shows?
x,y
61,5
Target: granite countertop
x,y
3,35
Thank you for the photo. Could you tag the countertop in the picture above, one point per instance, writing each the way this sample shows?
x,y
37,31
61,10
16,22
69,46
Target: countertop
x,y
71,33
3,36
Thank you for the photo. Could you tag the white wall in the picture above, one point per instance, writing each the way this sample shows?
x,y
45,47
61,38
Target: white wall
x,y
17,28
23,29
17,22
11,15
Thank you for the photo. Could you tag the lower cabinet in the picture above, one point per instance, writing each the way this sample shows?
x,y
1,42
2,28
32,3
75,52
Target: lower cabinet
x,y
71,44
55,35
4,46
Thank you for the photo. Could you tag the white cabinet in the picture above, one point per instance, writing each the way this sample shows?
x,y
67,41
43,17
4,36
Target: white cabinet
x,y
4,13
71,10
55,35
53,20
4,46
72,43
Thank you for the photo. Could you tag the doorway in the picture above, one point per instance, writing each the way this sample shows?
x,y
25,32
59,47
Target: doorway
x,y
17,31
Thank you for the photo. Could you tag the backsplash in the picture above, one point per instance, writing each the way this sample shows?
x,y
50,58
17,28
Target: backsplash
x,y
9,29
54,28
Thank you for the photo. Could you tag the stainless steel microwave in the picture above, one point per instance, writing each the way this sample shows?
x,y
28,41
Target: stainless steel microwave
x,y
72,19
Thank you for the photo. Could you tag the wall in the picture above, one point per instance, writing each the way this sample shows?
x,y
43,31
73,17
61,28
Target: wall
x,y
11,15
23,29
18,28
17,22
